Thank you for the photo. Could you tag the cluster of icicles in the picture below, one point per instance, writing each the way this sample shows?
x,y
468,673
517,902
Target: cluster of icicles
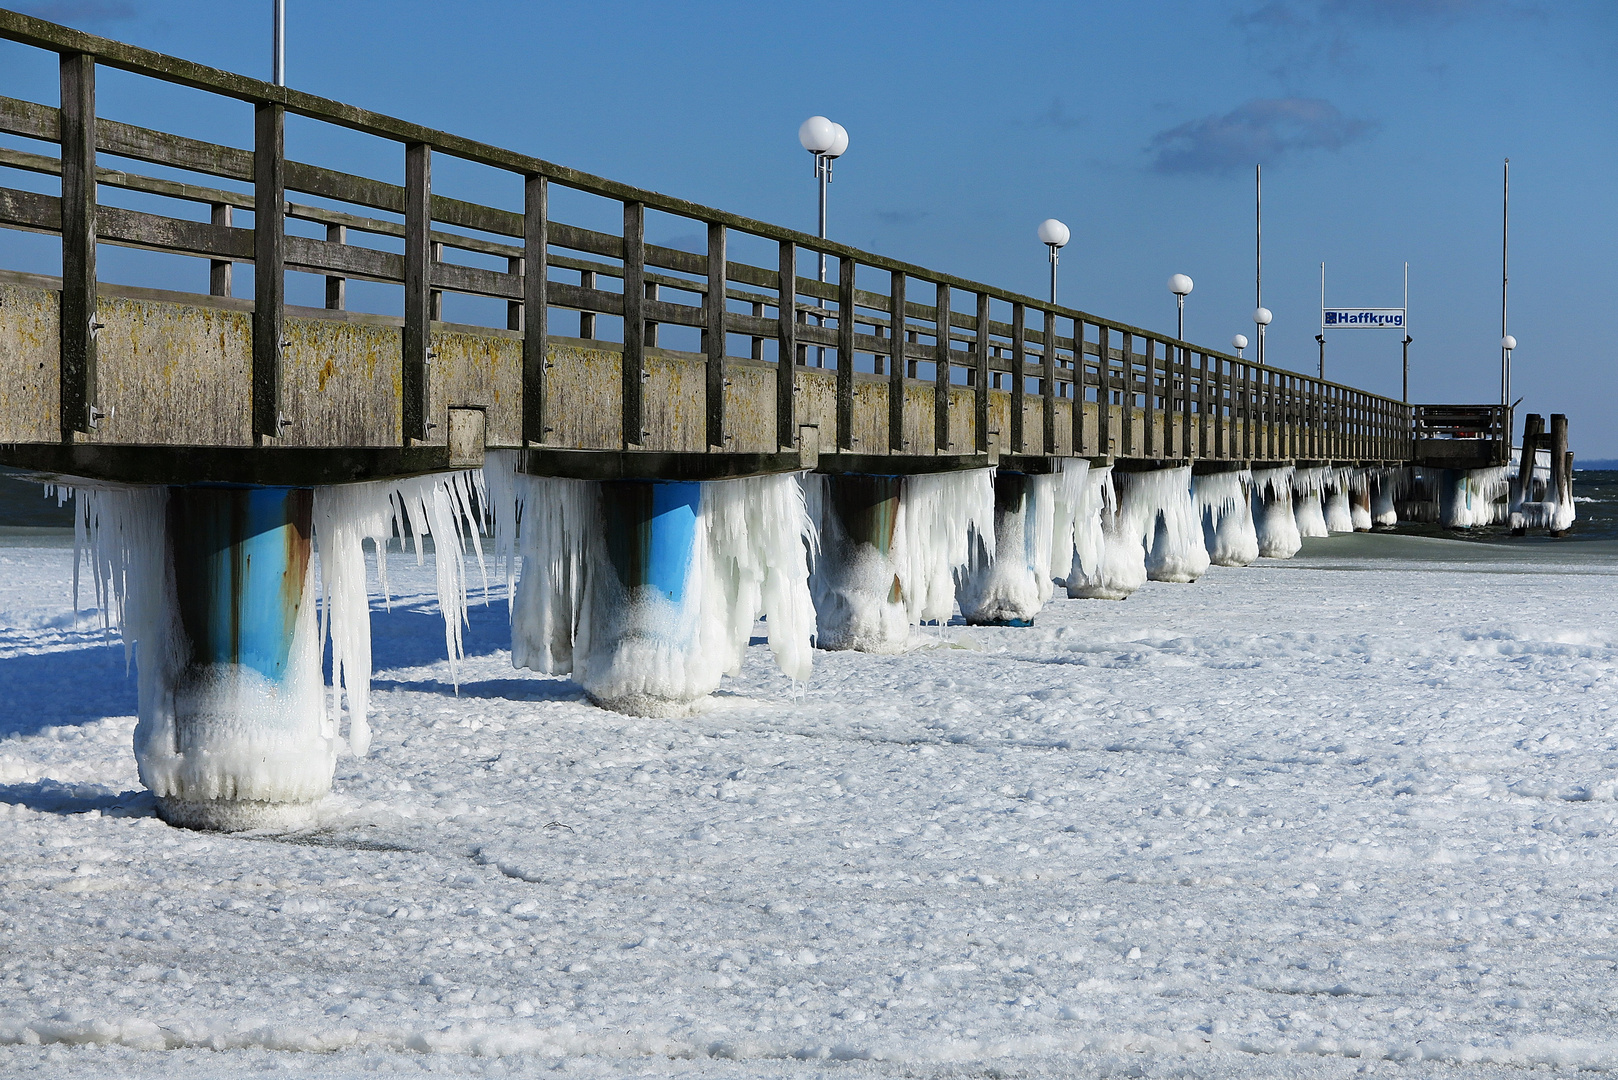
x,y
774,547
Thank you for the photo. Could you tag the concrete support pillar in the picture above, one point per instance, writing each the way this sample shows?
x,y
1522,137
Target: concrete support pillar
x,y
1010,588
1384,484
1339,518
1308,493
1224,506
1359,499
1273,520
859,600
233,732
1176,551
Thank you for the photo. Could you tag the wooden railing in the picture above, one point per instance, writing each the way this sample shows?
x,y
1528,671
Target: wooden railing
x,y
1155,396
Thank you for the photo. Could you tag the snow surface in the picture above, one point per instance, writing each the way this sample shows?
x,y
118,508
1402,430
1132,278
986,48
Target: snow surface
x,y
1351,812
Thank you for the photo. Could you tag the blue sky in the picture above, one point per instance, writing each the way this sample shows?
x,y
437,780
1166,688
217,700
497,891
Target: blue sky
x,y
1381,125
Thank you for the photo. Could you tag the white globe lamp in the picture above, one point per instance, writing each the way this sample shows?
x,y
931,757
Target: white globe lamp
x,y
1239,342
818,135
1054,233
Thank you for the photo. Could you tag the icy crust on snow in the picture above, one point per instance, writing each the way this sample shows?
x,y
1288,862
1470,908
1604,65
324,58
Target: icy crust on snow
x,y
1015,581
1308,490
1225,504
871,601
1206,833
638,651
1274,525
224,733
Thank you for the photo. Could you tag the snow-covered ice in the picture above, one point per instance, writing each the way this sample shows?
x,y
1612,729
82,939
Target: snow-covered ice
x,y
1349,812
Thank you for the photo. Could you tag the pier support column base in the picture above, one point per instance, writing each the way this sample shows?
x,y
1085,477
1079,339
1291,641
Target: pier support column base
x,y
235,815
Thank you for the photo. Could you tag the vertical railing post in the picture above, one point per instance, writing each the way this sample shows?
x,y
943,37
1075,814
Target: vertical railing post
x,y
77,315
1047,390
1104,430
845,352
941,372
269,265
896,369
336,285
1019,369
1149,443
418,253
1080,449
220,270
980,389
516,266
786,345
435,297
634,261
756,351
714,317
534,313
587,319
1243,385
1186,450
650,337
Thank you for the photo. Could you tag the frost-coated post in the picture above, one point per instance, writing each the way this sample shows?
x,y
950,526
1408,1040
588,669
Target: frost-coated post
x,y
1273,520
1010,588
233,732
1359,499
1225,510
1385,487
1175,549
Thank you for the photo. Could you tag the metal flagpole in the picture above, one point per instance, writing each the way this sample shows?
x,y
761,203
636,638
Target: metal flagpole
x,y
278,62
1407,340
1505,237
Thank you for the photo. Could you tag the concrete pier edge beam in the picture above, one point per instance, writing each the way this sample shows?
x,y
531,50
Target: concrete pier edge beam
x,y
1010,588
233,733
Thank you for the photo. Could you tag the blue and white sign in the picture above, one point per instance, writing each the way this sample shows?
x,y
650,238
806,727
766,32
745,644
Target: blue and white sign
x,y
1372,318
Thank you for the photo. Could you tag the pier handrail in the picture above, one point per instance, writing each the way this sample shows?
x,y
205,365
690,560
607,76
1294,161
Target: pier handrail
x,y
1283,414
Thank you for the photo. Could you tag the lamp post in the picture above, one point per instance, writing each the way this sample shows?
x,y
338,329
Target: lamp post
x,y
1054,235
1508,343
278,59
826,141
1239,342
1261,318
1180,286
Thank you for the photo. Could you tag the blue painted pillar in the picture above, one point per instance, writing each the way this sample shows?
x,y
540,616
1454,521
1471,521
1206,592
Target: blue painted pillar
x,y
651,528
238,738
859,601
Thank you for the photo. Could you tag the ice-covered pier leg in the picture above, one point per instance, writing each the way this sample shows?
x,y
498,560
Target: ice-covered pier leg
x,y
1225,509
859,600
1273,519
1175,550
1384,486
1359,499
233,733
1010,588
1467,497
1308,484
1339,518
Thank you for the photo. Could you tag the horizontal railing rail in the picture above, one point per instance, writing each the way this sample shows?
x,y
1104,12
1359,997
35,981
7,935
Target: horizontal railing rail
x,y
1154,396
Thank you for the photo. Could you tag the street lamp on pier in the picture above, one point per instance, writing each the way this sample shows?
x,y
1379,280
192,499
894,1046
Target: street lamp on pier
x,y
826,141
1239,342
1261,318
1180,286
1054,235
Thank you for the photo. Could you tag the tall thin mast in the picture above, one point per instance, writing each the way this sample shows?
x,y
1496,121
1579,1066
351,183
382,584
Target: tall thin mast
x,y
1505,242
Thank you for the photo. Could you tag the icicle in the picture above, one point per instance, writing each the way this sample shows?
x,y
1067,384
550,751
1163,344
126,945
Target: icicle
x,y
1011,587
1175,550
1075,513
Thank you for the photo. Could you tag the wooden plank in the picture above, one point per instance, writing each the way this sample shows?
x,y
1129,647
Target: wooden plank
x,y
177,151
845,353
77,210
896,364
634,361
219,270
1187,449
18,117
134,228
269,266
1081,376
786,346
418,257
980,384
535,311
1104,390
1047,387
1019,377
714,316
941,366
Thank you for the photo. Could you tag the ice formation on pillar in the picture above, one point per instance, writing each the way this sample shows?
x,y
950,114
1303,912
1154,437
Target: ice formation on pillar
x,y
1308,486
1273,520
890,548
1541,506
213,591
1175,549
1109,543
1468,498
1034,522
1386,486
1336,511
1225,509
644,629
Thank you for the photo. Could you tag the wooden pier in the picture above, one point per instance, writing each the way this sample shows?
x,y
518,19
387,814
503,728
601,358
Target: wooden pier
x,y
923,370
